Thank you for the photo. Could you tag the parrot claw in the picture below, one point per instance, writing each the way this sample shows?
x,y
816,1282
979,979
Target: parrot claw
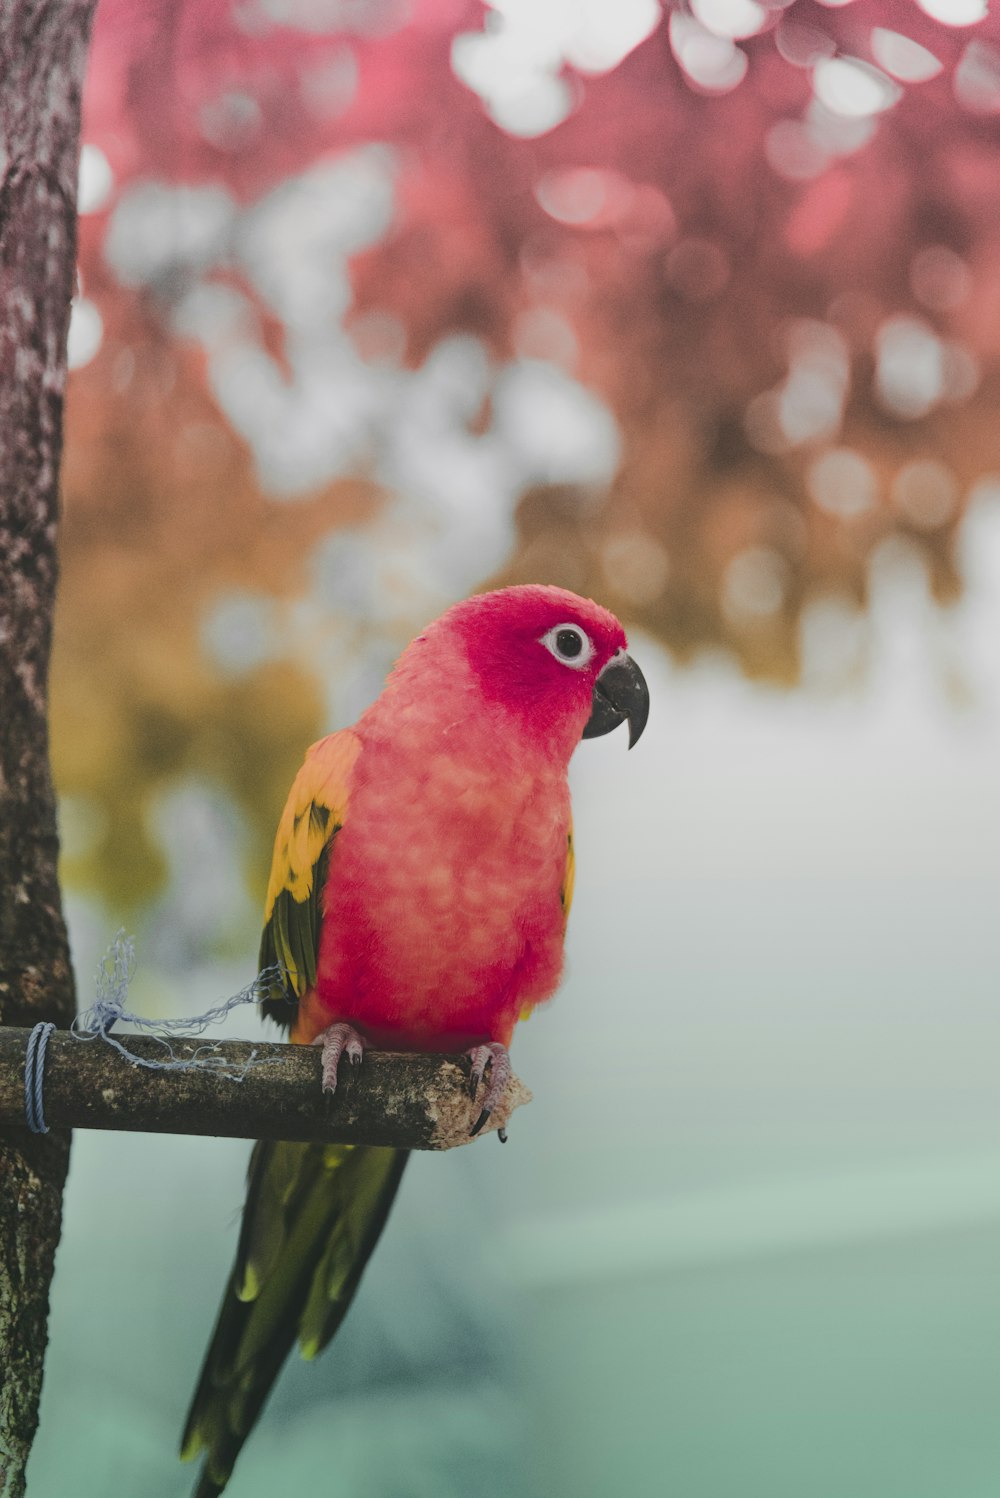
x,y
494,1056
339,1040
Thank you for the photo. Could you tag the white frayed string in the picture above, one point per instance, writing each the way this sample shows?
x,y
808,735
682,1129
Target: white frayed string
x,y
114,976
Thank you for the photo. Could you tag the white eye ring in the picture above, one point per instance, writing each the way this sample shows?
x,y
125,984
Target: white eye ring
x,y
570,646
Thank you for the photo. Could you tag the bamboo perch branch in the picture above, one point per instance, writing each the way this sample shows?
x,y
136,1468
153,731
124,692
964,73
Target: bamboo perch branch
x,y
407,1101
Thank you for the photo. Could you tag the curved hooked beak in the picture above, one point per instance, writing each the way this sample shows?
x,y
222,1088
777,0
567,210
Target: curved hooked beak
x,y
620,692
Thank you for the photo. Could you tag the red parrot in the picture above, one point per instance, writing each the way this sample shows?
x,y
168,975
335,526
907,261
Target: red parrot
x,y
420,886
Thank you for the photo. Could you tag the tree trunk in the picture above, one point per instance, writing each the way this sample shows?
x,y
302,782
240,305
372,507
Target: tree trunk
x,y
43,47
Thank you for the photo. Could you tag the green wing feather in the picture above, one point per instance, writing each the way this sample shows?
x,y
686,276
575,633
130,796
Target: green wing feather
x,y
313,1212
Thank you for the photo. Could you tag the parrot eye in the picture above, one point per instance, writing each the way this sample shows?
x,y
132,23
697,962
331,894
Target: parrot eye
x,y
569,644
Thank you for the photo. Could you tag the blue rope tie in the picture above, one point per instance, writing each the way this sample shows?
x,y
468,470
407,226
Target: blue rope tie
x,y
113,978
34,1069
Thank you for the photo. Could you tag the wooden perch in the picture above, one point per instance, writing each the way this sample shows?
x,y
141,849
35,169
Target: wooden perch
x,y
404,1100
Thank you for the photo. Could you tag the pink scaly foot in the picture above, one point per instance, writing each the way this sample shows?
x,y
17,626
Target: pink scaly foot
x,y
338,1040
493,1056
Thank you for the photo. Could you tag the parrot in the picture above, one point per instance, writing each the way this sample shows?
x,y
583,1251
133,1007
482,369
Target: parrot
x,y
420,886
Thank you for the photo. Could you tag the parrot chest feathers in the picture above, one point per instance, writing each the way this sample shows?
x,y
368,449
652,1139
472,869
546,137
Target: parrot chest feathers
x,y
444,914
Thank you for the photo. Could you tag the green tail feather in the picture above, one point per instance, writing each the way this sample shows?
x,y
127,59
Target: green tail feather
x,y
313,1215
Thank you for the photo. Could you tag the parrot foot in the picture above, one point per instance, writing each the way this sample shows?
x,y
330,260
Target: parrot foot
x,y
339,1040
494,1056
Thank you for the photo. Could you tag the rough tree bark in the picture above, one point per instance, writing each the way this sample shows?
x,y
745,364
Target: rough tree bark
x,y
414,1102
43,47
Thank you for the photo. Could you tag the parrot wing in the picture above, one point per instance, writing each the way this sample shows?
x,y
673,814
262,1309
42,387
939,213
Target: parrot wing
x,y
314,813
313,1212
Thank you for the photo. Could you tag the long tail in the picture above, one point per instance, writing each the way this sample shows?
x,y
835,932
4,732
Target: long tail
x,y
313,1215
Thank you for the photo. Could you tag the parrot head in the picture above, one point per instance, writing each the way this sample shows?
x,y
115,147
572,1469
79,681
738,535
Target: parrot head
x,y
554,663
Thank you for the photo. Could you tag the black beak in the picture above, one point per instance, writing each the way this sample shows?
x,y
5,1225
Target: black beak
x,y
620,692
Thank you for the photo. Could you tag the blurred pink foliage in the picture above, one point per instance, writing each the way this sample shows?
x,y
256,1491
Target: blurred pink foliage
x,y
765,237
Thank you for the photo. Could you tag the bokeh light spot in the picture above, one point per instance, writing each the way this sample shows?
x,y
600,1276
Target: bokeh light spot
x,y
754,584
839,134
601,35
585,196
904,58
542,333
514,64
803,45
96,180
793,151
344,568
909,373
537,106
330,86
819,345
589,34
925,492
513,71
572,197
214,314
977,78
86,330
238,632
955,12
295,239
230,122
731,18
842,483
809,407
157,228
939,278
714,64
811,402
312,16
853,88
636,566
960,373
560,431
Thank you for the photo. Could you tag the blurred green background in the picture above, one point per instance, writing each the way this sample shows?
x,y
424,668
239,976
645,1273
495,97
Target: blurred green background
x,y
696,310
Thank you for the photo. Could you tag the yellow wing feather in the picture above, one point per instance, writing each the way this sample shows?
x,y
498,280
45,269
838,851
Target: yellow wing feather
x,y
318,797
314,813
